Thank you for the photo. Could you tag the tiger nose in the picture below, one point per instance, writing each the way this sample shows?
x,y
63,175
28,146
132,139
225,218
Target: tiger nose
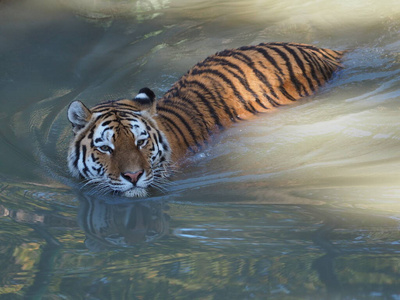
x,y
132,176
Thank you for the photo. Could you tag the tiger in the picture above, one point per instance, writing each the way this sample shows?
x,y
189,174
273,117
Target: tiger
x,y
127,146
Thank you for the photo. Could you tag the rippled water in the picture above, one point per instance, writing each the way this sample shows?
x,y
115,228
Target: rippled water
x,y
302,202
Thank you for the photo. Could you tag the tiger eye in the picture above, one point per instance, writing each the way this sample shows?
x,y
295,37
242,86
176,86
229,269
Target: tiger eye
x,y
140,143
105,148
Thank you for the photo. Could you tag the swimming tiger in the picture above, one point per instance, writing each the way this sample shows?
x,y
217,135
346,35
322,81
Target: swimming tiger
x,y
126,146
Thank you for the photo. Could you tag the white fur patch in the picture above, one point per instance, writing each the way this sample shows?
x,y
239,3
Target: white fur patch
x,y
142,96
104,137
136,192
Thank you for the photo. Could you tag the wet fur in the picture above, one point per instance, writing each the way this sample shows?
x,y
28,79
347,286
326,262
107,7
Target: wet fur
x,y
227,87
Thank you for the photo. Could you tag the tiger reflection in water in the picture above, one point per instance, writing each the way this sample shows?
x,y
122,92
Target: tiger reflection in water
x,y
105,225
121,225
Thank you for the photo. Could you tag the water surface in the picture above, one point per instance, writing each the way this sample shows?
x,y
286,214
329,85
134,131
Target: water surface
x,y
302,202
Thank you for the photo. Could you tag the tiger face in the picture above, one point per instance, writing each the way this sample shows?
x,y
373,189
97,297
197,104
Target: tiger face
x,y
117,145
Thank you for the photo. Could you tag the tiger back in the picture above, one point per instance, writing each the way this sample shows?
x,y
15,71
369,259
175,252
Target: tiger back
x,y
126,146
236,84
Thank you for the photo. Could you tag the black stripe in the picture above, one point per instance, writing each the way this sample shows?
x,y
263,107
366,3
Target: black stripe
x,y
156,142
90,136
77,153
327,68
210,108
85,169
271,101
224,62
178,91
169,128
101,110
257,72
183,121
289,66
219,98
183,106
300,63
324,69
105,123
109,104
126,110
242,79
114,104
107,129
262,77
226,52
326,54
132,120
179,130
311,62
94,158
105,115
201,71
318,62
280,76
174,90
216,86
161,141
270,59
196,117
124,105
304,46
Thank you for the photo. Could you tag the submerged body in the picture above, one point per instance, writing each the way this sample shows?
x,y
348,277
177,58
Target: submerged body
x,y
126,146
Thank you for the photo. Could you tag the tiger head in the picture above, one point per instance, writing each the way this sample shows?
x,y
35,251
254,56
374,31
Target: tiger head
x,y
117,145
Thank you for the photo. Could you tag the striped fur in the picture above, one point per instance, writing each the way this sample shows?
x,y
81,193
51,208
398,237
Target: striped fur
x,y
229,86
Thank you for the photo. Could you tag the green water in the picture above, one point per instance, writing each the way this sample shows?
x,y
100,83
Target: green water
x,y
301,203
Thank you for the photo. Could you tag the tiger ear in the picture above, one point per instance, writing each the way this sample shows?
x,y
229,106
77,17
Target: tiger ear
x,y
146,98
79,115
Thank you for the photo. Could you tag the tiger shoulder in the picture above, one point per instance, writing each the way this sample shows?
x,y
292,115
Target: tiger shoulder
x,y
127,146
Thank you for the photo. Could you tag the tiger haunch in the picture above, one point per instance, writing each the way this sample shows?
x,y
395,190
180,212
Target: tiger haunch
x,y
126,146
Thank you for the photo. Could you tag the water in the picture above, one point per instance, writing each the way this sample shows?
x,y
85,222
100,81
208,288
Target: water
x,y
302,202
